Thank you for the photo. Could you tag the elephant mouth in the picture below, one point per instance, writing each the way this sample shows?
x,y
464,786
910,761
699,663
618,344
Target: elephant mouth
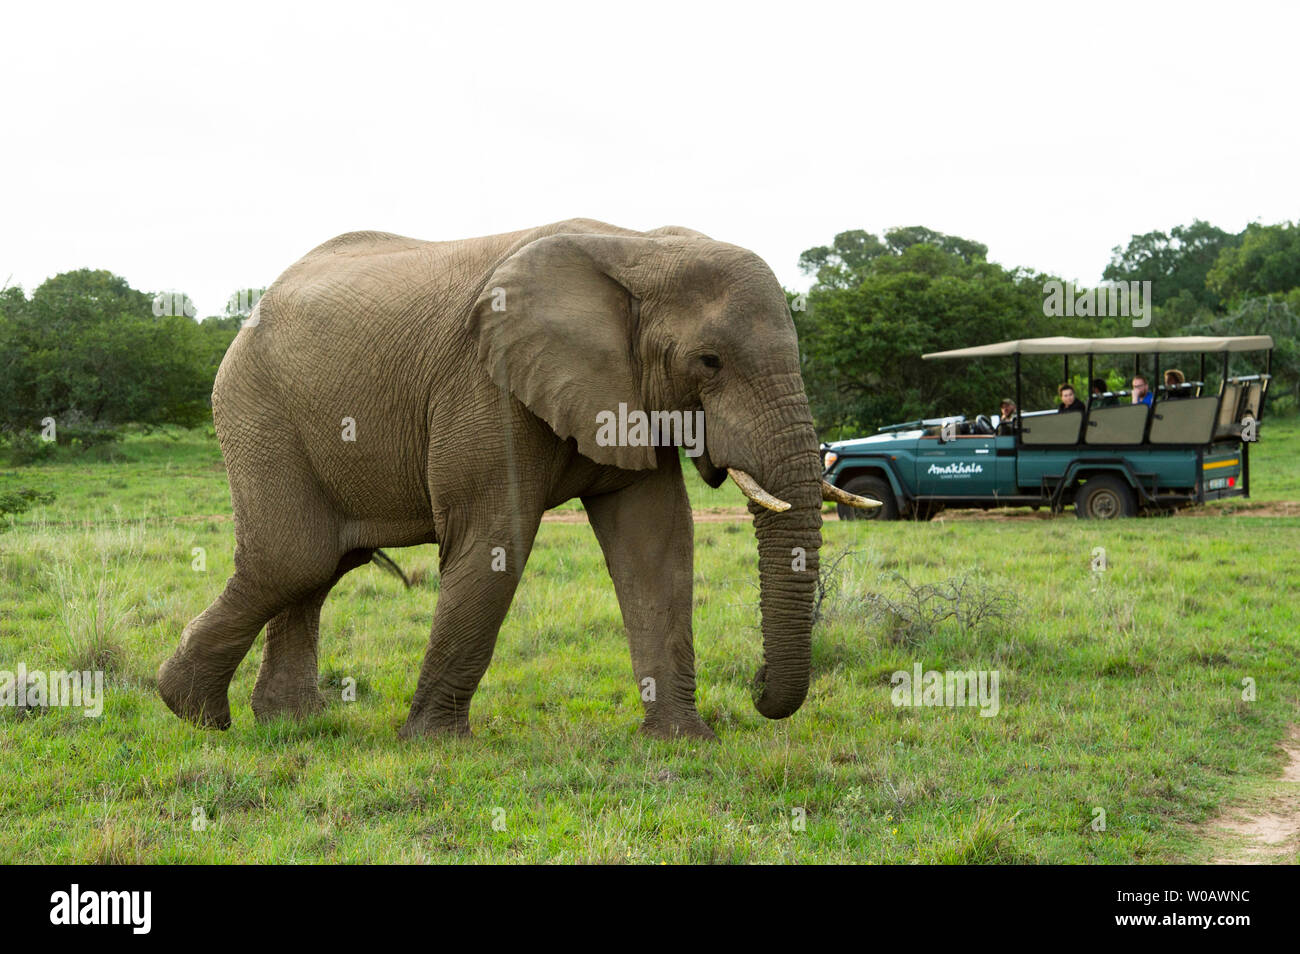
x,y
714,476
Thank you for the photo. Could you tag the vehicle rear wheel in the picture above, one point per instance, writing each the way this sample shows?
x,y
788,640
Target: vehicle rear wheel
x,y
1105,497
870,487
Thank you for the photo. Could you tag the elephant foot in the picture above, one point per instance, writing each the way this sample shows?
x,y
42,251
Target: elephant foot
x,y
298,702
195,692
425,724
683,727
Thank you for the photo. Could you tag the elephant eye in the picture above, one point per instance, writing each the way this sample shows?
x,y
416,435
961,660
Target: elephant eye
x,y
711,361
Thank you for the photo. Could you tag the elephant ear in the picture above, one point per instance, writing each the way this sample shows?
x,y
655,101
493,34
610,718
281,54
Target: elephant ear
x,y
556,326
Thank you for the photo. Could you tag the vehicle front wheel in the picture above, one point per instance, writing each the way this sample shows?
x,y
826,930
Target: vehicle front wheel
x,y
1105,497
869,487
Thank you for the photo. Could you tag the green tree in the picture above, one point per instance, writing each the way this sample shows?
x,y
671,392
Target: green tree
x,y
242,301
837,265
87,347
1176,263
1266,262
852,255
878,306
901,239
217,332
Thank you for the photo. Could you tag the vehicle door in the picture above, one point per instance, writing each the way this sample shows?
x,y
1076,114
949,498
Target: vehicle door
x,y
965,466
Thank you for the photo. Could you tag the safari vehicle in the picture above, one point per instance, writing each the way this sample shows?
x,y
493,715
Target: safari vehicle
x,y
1115,459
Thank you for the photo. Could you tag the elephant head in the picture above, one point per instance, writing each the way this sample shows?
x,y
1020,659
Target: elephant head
x,y
576,324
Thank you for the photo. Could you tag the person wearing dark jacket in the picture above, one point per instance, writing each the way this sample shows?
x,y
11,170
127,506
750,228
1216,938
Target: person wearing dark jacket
x,y
1068,401
1098,397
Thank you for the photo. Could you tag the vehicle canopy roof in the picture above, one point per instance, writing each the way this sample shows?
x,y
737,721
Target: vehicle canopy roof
x,y
1062,345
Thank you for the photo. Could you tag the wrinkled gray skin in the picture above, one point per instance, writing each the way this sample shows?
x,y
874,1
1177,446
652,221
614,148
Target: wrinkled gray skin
x,y
470,422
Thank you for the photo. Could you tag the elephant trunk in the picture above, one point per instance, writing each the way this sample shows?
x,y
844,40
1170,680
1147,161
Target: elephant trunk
x,y
788,543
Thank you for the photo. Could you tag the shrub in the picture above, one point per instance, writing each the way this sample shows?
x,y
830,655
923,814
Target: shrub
x,y
913,613
27,448
14,502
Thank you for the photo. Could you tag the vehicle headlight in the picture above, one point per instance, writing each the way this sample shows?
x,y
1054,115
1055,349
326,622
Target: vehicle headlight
x,y
829,460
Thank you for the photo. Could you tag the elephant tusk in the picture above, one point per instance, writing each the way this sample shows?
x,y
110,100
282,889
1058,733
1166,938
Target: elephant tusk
x,y
756,493
831,492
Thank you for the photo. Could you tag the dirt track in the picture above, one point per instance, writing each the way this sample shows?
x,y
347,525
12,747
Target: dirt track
x,y
1276,508
1266,830
1279,508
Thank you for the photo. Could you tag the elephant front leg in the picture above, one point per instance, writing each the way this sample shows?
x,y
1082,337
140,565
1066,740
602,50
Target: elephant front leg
x,y
478,581
647,535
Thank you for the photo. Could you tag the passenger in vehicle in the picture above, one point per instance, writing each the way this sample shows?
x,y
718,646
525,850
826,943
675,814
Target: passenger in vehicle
x,y
1098,396
1175,385
1007,416
1141,390
1068,401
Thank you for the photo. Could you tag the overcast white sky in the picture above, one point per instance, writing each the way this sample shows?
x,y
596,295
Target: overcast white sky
x,y
204,148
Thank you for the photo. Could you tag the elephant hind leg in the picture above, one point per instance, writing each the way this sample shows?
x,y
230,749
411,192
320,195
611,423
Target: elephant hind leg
x,y
288,680
288,548
194,680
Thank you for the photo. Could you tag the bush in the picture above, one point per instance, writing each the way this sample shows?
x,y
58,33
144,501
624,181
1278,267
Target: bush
x,y
91,438
912,614
28,448
14,502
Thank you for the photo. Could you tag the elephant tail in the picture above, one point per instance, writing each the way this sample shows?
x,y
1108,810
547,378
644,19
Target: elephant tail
x,y
382,560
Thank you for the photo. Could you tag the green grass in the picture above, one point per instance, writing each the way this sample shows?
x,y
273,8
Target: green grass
x,y
1273,471
1119,690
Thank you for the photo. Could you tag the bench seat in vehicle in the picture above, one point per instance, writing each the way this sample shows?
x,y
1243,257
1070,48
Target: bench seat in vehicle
x,y
1183,421
1125,424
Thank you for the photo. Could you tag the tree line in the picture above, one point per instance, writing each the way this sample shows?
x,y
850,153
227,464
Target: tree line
x,y
94,354
879,302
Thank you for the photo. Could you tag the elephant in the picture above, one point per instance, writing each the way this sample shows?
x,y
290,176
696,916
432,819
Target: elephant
x,y
389,392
